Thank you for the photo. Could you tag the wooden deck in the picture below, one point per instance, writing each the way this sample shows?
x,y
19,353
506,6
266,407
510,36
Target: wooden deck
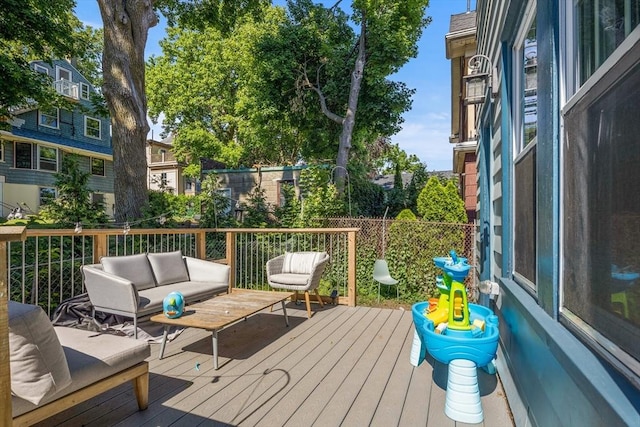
x,y
344,366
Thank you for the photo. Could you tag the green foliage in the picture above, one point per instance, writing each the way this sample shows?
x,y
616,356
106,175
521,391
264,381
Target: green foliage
x,y
216,207
320,198
32,29
289,213
406,215
396,196
73,203
418,181
367,198
257,213
441,203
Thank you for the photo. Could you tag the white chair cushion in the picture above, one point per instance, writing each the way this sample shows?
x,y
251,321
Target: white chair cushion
x,y
168,267
300,262
37,361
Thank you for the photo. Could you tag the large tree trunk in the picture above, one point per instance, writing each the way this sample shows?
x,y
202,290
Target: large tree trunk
x,y
350,118
126,25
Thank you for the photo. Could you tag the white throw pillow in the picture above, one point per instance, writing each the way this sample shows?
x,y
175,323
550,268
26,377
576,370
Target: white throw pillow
x,y
300,262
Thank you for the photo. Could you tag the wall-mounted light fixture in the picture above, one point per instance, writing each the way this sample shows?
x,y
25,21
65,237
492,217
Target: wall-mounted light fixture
x,y
480,80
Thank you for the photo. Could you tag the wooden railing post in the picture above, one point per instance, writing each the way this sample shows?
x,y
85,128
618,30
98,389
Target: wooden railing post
x,y
351,274
99,247
6,234
231,258
201,244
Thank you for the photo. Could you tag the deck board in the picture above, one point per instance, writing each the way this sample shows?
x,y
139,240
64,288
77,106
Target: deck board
x,y
344,366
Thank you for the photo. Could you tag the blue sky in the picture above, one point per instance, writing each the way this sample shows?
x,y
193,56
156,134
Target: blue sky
x,y
427,126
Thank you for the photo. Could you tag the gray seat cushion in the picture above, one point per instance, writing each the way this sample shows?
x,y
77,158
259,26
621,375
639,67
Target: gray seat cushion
x,y
91,357
289,279
151,299
134,268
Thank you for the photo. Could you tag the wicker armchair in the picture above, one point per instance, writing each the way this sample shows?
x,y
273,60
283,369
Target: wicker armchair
x,y
298,272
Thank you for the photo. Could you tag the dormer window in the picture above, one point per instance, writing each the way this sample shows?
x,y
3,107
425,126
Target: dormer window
x,y
84,91
41,69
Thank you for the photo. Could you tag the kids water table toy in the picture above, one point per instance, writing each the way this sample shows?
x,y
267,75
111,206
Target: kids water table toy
x,y
466,340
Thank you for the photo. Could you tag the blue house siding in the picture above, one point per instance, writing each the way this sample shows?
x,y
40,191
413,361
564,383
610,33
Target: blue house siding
x,y
552,373
21,184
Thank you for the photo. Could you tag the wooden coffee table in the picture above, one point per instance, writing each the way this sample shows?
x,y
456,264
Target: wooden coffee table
x,y
221,311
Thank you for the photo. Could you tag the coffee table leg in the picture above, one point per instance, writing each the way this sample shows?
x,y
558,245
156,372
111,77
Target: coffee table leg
x,y
214,336
164,341
284,310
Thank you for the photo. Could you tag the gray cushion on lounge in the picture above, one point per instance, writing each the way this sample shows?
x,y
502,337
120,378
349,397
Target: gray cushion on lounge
x,y
168,267
134,268
37,362
191,292
91,357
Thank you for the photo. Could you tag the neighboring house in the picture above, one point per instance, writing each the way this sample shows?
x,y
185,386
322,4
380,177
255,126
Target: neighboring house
x,y
236,184
387,182
31,152
164,172
559,206
460,44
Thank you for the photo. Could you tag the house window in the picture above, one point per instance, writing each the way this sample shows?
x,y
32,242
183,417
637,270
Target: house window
x,y
97,166
63,74
97,199
601,211
47,158
47,195
41,69
601,26
1,151
525,103
49,117
23,155
92,127
84,91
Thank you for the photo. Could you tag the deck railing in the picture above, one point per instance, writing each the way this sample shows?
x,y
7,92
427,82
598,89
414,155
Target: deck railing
x,y
44,269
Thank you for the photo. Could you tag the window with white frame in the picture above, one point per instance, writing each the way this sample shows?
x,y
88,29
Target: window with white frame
x,y
97,166
1,151
49,117
525,104
41,69
92,127
84,91
601,199
47,158
63,74
22,155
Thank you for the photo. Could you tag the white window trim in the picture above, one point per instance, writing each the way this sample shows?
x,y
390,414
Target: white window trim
x,y
82,89
39,147
40,69
59,69
518,121
41,113
86,118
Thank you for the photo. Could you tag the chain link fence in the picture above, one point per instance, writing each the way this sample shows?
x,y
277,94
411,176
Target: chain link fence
x,y
409,248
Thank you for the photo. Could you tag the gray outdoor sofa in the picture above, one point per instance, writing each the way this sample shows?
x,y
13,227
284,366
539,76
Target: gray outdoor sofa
x,y
55,368
135,285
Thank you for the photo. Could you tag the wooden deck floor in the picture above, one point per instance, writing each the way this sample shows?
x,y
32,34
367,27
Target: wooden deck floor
x,y
344,366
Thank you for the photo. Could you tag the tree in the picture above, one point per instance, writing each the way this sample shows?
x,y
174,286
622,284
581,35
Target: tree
x,y
73,203
441,203
126,25
32,29
389,31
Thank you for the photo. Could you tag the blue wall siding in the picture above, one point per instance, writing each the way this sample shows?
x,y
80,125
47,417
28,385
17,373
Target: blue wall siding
x,y
561,382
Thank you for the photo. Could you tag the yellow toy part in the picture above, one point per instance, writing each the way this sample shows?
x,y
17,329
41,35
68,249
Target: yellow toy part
x,y
458,308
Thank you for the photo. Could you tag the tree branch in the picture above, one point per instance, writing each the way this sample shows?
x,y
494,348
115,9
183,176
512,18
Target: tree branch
x,y
323,100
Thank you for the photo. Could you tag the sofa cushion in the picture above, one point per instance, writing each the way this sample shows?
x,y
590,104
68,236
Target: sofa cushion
x,y
91,357
134,268
37,362
300,262
290,279
168,267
